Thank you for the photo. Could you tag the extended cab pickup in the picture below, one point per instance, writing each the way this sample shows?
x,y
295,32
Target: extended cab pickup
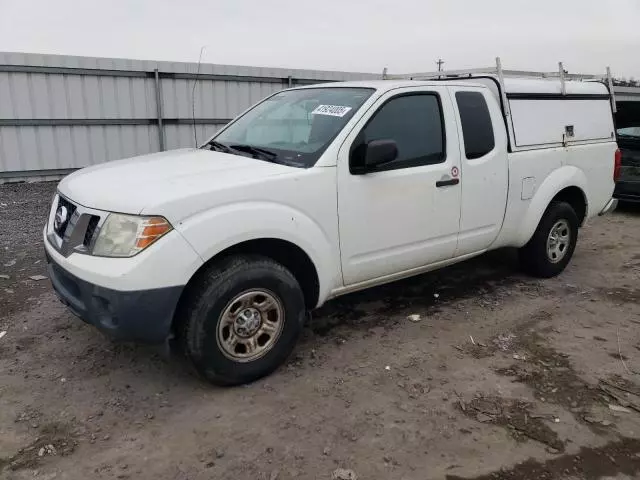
x,y
320,191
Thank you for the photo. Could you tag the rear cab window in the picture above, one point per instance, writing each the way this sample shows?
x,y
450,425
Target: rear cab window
x,y
477,129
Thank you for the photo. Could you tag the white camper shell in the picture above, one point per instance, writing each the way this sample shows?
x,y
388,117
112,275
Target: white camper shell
x,y
543,109
542,116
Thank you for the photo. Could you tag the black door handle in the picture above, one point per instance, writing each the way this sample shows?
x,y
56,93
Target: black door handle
x,y
447,183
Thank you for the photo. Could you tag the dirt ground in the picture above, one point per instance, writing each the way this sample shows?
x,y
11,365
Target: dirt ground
x,y
500,377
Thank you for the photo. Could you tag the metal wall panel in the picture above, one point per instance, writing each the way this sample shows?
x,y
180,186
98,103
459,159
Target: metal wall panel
x,y
180,136
61,112
27,148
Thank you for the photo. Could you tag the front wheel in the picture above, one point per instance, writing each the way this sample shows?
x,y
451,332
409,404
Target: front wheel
x,y
243,320
552,245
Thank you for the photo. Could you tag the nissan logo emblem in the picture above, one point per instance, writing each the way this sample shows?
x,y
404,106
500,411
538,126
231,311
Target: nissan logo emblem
x,y
60,218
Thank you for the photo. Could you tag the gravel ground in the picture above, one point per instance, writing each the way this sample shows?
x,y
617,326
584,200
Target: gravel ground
x,y
500,376
23,211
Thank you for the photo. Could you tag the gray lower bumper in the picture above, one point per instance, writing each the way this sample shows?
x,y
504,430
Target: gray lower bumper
x,y
143,316
609,207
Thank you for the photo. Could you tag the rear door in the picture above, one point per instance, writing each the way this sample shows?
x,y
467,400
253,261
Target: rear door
x,y
405,214
484,168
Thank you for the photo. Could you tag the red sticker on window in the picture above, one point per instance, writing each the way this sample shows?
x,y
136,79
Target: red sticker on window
x,y
454,171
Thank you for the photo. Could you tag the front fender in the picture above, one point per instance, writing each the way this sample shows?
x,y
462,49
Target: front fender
x,y
215,230
563,177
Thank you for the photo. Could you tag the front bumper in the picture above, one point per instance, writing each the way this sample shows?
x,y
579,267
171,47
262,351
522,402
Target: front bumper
x,y
143,315
609,207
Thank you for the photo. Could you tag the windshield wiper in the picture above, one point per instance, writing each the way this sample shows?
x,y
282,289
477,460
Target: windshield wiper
x,y
218,146
257,152
261,153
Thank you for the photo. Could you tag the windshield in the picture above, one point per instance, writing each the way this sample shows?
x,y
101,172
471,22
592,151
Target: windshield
x,y
629,132
293,127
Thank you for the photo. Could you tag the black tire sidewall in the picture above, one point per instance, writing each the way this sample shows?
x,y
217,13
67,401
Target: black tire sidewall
x,y
202,345
535,252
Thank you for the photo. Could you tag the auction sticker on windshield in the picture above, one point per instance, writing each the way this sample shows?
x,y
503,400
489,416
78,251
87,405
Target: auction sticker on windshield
x,y
332,110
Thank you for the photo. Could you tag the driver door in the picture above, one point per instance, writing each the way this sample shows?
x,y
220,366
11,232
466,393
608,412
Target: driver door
x,y
404,214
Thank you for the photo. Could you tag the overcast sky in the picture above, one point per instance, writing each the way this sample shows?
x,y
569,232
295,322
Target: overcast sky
x,y
352,35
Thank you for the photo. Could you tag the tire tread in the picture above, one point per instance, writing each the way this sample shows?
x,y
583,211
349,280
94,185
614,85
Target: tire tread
x,y
218,277
533,256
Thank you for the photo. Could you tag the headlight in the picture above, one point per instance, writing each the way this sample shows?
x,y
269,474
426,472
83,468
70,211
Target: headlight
x,y
126,235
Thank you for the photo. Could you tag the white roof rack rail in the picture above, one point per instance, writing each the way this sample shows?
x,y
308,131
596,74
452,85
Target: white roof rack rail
x,y
498,71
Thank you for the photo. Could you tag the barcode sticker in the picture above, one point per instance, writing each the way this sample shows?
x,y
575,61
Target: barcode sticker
x,y
332,110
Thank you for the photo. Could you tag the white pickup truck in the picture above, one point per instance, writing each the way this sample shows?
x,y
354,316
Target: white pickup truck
x,y
320,191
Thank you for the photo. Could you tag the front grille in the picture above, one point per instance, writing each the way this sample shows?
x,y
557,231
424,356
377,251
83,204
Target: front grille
x,y
75,228
61,227
91,230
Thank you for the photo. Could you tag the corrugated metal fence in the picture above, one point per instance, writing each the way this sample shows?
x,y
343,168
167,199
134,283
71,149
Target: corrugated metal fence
x,y
59,113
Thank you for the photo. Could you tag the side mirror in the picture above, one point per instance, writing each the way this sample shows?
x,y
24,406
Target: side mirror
x,y
366,157
380,152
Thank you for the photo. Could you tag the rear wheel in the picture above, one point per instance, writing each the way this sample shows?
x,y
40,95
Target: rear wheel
x,y
243,320
552,245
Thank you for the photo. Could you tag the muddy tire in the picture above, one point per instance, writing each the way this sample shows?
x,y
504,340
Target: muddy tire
x,y
242,320
552,245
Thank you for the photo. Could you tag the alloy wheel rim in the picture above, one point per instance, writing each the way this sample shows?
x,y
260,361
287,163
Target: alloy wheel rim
x,y
558,241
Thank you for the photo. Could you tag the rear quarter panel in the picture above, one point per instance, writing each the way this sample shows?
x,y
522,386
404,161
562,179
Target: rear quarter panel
x,y
536,177
528,171
596,161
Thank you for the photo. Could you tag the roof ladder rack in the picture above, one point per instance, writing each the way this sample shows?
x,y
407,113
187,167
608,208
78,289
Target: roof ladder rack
x,y
500,73
503,90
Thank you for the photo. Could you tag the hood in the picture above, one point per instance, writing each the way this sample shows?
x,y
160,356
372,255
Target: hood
x,y
145,183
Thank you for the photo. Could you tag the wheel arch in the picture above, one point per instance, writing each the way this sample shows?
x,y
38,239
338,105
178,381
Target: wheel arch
x,y
284,252
568,184
575,197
